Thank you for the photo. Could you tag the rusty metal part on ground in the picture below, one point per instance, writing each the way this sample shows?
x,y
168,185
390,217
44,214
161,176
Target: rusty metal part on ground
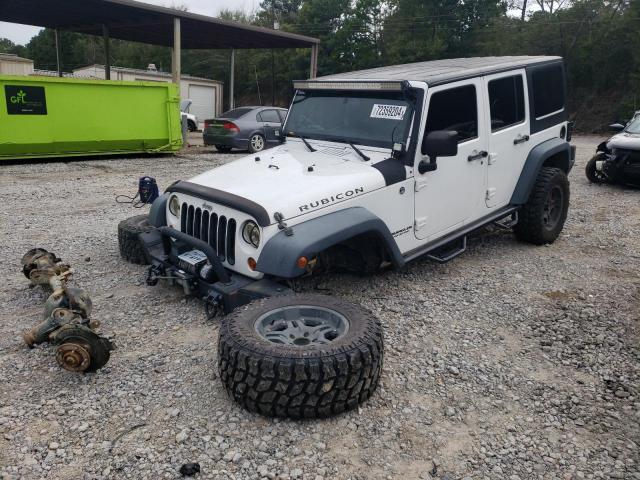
x,y
66,320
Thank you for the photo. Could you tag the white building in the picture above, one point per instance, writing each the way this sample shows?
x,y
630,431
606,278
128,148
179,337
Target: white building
x,y
11,64
205,94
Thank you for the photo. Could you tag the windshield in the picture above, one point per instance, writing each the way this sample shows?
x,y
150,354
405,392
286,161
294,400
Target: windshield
x,y
634,125
184,106
377,119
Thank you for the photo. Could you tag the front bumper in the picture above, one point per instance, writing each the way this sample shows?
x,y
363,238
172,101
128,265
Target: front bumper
x,y
209,280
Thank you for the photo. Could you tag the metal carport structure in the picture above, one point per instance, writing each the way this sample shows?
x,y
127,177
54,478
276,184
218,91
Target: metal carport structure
x,y
144,23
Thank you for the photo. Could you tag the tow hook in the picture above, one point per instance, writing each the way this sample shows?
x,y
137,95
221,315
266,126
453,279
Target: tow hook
x,y
213,305
153,274
66,315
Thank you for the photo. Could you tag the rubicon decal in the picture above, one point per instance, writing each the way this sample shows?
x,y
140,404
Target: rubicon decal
x,y
323,202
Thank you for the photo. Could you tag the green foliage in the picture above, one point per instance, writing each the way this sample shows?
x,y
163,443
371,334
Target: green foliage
x,y
598,38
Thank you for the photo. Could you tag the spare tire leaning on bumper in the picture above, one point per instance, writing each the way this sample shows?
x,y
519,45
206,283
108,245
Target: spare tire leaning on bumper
x,y
129,243
296,380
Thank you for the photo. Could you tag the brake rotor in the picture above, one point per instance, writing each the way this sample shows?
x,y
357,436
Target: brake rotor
x,y
73,357
80,349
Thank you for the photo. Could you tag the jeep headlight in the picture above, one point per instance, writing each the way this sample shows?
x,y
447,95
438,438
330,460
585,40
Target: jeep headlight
x,y
174,206
251,233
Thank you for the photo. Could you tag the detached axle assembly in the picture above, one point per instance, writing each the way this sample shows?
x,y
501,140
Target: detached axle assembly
x,y
66,321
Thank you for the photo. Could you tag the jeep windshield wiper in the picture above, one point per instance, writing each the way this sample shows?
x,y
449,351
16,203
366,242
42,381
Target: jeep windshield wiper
x,y
359,152
311,149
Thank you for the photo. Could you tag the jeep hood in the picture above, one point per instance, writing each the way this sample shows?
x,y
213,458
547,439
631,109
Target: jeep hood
x,y
626,141
293,181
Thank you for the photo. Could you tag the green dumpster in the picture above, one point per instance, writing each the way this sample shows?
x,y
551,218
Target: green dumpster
x,y
59,117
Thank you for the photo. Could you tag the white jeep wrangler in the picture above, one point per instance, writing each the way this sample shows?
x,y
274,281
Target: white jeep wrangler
x,y
376,167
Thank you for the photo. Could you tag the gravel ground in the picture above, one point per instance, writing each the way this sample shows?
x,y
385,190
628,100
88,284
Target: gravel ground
x,y
511,362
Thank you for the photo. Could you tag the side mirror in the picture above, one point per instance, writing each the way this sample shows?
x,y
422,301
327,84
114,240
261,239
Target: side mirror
x,y
616,127
440,143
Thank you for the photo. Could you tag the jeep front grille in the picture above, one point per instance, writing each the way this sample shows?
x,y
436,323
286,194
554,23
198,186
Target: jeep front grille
x,y
217,231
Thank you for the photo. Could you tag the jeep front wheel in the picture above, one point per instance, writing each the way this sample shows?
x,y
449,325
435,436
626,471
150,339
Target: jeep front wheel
x,y
129,231
591,170
300,356
542,218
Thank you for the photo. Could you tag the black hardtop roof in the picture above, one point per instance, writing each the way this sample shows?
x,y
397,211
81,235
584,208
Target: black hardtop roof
x,y
442,71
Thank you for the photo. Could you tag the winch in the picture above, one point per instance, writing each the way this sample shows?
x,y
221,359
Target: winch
x,y
66,322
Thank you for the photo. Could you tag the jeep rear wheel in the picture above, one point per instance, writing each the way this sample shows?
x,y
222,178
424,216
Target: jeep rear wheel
x,y
542,218
300,356
129,231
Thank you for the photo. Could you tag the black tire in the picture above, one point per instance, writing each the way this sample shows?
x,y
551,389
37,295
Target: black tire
x,y
538,221
592,173
223,148
129,231
257,143
191,126
311,381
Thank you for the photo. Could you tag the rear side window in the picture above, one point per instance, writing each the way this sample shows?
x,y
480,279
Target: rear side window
x,y
270,116
548,90
283,115
506,100
454,109
236,113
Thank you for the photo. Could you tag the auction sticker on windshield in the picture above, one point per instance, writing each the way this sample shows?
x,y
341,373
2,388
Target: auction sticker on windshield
x,y
388,112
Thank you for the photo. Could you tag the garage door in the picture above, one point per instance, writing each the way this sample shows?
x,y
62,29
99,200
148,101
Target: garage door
x,y
204,101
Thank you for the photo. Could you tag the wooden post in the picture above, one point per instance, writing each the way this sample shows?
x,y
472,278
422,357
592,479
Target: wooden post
x,y
107,53
313,70
176,52
58,61
232,78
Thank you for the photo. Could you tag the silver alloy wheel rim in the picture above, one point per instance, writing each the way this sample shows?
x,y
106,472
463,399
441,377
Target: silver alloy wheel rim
x,y
257,143
302,325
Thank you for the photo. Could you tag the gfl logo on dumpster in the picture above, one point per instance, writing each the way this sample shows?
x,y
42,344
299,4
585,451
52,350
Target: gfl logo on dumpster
x,y
18,97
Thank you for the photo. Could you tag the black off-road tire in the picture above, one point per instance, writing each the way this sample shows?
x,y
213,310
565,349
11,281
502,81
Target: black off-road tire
x,y
129,231
300,381
531,226
592,173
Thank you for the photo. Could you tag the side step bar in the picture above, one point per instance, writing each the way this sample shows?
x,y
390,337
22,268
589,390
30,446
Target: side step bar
x,y
444,254
508,223
462,232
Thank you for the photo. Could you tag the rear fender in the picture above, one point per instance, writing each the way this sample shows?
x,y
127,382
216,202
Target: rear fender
x,y
555,152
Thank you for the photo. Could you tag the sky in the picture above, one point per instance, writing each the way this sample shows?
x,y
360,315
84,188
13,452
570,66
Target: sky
x,y
21,34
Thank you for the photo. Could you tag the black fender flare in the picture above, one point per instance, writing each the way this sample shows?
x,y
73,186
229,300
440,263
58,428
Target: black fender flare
x,y
280,254
158,211
555,152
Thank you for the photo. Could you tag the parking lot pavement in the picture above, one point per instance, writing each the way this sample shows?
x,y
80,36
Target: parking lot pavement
x,y
511,362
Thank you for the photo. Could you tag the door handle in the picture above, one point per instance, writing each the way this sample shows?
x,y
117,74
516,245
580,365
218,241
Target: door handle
x,y
521,139
477,155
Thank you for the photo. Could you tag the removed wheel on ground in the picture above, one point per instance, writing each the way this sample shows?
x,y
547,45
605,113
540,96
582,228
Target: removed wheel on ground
x,y
256,143
223,148
300,356
542,218
129,231
593,174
